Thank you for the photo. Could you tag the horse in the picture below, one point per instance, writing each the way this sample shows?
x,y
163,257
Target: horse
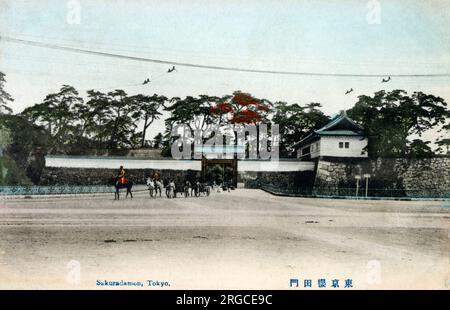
x,y
151,187
158,187
186,188
128,186
203,188
170,190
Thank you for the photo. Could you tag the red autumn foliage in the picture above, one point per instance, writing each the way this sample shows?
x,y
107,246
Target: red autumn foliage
x,y
262,107
222,108
246,116
245,100
243,108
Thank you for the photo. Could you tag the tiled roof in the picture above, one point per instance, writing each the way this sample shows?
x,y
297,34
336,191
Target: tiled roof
x,y
340,125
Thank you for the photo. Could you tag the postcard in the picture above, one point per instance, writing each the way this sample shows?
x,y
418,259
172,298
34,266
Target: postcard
x,y
224,145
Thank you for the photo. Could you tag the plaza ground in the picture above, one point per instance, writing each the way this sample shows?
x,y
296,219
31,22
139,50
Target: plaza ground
x,y
245,239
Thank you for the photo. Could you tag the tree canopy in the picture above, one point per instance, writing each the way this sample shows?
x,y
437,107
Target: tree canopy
x,y
5,98
296,122
394,121
391,118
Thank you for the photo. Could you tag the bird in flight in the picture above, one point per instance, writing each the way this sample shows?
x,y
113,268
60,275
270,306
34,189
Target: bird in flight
x,y
349,91
146,81
171,69
386,80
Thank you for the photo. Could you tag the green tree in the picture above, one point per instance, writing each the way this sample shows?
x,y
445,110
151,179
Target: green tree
x,y
5,98
147,111
105,120
296,122
167,140
97,118
420,149
11,173
158,140
191,111
444,141
215,173
5,139
58,113
112,119
391,118
28,143
119,124
85,126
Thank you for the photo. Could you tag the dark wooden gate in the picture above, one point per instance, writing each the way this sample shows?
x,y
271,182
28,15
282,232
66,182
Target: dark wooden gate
x,y
232,163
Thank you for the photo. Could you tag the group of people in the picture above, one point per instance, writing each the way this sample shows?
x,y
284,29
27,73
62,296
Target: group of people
x,y
171,187
154,186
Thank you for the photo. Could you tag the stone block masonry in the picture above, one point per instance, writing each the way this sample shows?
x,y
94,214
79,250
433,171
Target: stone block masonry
x,y
102,176
396,177
408,177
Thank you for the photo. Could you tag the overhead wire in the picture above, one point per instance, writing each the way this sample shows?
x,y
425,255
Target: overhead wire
x,y
214,67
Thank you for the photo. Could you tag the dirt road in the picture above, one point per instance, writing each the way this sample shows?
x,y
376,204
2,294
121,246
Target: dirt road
x,y
246,239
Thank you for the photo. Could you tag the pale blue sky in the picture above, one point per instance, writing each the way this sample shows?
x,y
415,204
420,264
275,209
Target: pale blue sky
x,y
315,36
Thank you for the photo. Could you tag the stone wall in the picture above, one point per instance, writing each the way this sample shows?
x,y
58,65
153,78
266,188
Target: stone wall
x,y
100,176
81,150
286,180
333,176
391,177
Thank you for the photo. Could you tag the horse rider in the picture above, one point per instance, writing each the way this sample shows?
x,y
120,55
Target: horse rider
x,y
121,176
